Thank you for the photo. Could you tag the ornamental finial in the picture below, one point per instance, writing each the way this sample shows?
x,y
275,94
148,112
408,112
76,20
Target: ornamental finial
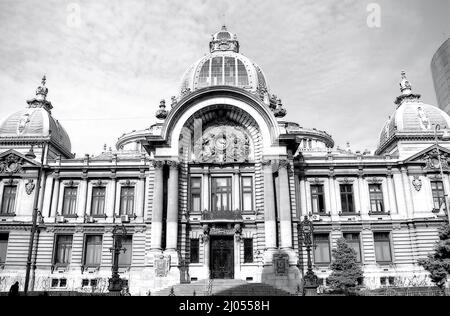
x,y
405,85
162,113
406,90
42,90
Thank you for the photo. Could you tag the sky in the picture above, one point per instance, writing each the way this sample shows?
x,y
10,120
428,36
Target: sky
x,y
108,62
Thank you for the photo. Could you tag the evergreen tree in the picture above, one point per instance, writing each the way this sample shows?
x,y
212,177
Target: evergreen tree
x,y
346,269
438,263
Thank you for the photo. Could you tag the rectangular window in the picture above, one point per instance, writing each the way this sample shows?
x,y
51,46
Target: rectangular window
x,y
376,198
127,201
93,251
195,251
98,201
126,257
63,250
248,250
437,188
247,193
353,242
318,199
217,71
3,247
322,254
382,247
221,194
347,198
9,199
70,201
230,71
196,193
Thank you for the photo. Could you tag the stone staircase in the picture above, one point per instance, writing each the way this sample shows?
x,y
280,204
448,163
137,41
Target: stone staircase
x,y
222,288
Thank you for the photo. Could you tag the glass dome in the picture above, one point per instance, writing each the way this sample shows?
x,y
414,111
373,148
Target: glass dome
x,y
224,66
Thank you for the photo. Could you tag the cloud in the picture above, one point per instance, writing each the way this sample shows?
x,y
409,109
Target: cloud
x,y
330,69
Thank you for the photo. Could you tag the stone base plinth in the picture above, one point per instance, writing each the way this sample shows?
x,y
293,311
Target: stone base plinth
x,y
289,281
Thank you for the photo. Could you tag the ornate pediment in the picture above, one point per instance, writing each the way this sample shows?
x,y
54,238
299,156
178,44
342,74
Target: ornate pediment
x,y
433,158
12,162
223,144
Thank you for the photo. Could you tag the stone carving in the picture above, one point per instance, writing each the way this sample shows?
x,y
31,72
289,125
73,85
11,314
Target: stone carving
x,y
29,186
238,232
162,266
417,183
157,164
204,238
23,123
11,164
424,120
432,160
281,264
223,143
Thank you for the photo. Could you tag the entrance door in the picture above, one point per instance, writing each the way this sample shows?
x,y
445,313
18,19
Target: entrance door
x,y
222,258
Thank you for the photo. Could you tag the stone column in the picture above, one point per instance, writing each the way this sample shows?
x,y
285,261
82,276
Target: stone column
x,y
140,197
206,256
407,192
269,207
172,208
391,192
110,211
303,208
83,199
333,198
363,195
55,198
236,190
158,204
205,189
285,205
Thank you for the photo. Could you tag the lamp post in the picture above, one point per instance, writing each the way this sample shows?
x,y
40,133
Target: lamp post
x,y
310,279
34,223
116,283
437,128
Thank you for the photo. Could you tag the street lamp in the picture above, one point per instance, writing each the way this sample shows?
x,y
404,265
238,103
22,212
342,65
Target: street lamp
x,y
310,279
116,283
446,136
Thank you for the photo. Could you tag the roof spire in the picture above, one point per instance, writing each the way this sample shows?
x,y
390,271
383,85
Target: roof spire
x,y
41,97
406,90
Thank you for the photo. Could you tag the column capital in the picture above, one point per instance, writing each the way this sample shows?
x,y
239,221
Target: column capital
x,y
284,164
173,164
157,164
267,163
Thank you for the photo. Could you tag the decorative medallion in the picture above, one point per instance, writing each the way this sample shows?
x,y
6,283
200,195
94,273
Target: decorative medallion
x,y
29,187
11,164
417,183
222,144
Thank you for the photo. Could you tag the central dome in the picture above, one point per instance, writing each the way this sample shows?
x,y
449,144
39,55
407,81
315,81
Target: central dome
x,y
224,66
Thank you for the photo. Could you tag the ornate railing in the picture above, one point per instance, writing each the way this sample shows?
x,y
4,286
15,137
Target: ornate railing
x,y
222,215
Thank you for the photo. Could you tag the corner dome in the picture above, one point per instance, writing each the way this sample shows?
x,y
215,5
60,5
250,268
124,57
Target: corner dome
x,y
224,65
36,123
412,116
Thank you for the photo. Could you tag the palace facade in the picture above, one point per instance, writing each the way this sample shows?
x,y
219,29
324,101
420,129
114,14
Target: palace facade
x,y
217,188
